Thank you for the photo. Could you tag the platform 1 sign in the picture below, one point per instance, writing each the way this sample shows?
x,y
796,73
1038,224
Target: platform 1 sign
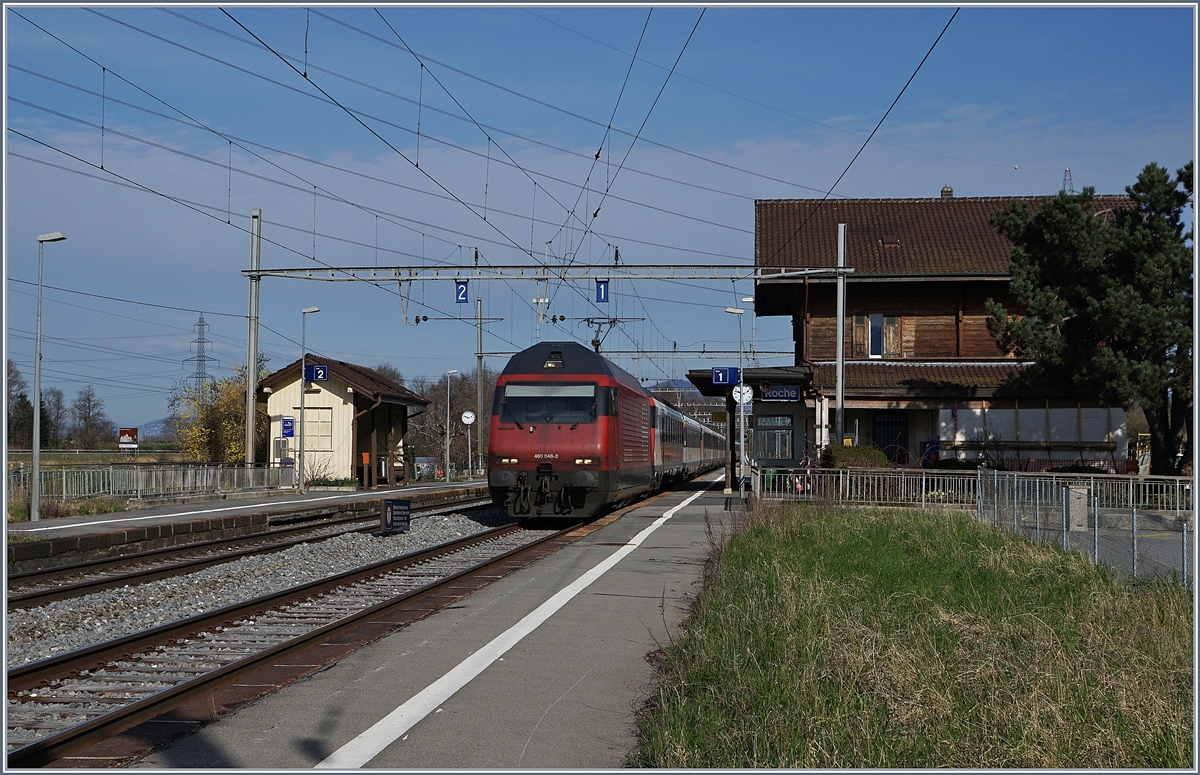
x,y
396,516
725,375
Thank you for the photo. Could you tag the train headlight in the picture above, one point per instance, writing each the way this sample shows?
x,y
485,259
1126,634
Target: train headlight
x,y
586,461
508,461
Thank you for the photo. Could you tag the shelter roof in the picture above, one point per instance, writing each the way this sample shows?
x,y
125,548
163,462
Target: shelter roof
x,y
364,381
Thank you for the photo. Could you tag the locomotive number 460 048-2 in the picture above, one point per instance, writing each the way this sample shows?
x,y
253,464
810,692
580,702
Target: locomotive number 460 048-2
x,y
546,456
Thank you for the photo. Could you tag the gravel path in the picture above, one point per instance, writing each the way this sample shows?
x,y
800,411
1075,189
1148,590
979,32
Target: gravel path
x,y
66,625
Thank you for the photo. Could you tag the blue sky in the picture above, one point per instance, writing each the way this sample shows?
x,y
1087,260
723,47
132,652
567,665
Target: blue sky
x,y
769,102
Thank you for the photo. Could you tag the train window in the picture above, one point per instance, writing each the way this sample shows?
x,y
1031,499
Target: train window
x,y
549,403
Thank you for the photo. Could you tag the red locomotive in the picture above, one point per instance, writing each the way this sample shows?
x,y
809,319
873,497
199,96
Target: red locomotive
x,y
572,433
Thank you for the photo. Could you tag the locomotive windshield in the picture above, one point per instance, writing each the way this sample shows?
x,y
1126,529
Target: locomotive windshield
x,y
548,403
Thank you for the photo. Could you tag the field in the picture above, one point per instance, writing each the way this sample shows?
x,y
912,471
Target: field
x,y
881,638
68,457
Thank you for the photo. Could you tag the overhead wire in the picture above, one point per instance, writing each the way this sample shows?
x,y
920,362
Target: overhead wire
x,y
611,118
788,241
569,113
194,208
196,122
779,110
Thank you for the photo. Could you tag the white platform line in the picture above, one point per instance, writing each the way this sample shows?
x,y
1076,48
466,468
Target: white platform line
x,y
362,749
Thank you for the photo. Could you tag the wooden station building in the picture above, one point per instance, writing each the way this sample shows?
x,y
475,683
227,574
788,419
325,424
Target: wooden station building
x,y
923,377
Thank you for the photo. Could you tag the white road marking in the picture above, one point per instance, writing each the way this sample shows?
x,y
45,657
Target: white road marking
x,y
362,749
339,496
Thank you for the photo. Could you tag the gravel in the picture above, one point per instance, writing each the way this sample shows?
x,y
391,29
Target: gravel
x,y
66,625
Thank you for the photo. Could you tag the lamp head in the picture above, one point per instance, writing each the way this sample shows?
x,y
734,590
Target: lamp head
x,y
54,236
307,310
452,371
734,310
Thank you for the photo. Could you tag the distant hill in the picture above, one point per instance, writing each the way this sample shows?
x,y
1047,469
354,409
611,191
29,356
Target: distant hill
x,y
154,430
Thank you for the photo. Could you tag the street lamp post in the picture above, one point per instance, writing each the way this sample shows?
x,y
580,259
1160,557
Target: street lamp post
x,y
35,490
304,313
447,472
741,404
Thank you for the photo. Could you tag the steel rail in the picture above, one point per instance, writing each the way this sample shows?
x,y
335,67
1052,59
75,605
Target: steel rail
x,y
43,596
114,722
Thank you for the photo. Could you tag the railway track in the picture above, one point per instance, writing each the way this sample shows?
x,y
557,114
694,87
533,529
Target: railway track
x,y
37,587
65,703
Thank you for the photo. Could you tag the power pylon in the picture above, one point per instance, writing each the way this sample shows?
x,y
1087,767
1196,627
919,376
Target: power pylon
x,y
200,358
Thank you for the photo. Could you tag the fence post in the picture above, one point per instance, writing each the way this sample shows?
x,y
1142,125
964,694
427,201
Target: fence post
x,y
1065,496
995,498
1185,567
979,492
1014,501
1096,529
1037,510
922,488
1134,531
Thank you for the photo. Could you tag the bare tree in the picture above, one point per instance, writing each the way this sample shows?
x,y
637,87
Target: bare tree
x,y
56,417
91,428
391,372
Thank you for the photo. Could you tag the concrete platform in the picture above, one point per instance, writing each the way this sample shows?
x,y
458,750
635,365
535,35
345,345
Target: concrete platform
x,y
53,542
499,681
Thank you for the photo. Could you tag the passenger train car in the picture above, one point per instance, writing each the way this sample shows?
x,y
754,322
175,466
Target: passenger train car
x,y
572,433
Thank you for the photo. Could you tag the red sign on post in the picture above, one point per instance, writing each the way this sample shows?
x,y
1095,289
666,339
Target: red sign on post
x,y
127,438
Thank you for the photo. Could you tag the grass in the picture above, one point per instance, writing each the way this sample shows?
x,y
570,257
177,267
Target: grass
x,y
54,508
880,638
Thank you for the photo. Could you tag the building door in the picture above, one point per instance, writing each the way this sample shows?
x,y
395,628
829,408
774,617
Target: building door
x,y
890,433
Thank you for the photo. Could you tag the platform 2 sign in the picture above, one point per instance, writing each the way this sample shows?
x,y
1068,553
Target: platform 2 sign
x,y
316,372
396,516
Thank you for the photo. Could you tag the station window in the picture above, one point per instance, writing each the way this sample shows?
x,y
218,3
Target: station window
x,y
318,428
875,336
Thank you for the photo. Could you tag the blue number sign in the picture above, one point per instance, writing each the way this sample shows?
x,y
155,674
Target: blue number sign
x,y
460,292
316,372
602,291
725,375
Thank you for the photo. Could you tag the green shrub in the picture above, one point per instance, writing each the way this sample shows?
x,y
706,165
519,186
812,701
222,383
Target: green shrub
x,y
865,456
98,506
326,481
18,511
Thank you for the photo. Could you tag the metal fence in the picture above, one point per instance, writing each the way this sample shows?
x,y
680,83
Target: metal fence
x,y
1139,525
145,481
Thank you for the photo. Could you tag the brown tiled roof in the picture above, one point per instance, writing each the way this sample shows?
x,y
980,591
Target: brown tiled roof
x,y
891,236
366,382
912,377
